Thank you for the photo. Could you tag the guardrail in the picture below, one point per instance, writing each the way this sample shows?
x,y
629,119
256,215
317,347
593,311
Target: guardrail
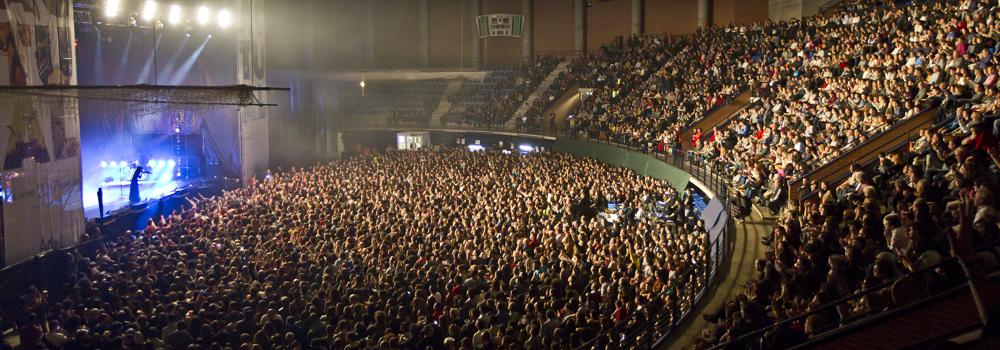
x,y
631,334
634,332
745,340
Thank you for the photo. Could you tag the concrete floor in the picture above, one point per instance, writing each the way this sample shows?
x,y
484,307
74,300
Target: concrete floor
x,y
747,249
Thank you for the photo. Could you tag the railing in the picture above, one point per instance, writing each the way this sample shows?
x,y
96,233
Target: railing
x,y
16,278
354,124
745,340
634,333
837,168
707,172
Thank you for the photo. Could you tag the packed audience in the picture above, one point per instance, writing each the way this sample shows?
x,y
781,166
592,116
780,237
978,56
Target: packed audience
x,y
899,219
492,251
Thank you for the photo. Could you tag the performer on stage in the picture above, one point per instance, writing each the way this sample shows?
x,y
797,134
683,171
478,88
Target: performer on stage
x,y
133,188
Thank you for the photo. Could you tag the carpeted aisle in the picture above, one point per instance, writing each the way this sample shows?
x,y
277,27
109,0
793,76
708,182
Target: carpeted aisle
x,y
740,270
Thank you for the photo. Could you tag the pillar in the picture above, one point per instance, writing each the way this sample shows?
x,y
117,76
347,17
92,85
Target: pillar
x,y
527,48
425,33
580,25
637,14
474,10
703,13
369,59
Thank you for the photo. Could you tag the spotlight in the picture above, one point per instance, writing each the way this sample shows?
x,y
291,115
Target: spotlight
x,y
171,163
174,15
132,21
111,8
188,34
160,163
203,15
123,164
177,129
210,36
149,10
362,83
526,148
225,18
104,164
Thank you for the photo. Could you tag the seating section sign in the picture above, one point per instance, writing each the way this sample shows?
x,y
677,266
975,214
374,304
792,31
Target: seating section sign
x,y
500,24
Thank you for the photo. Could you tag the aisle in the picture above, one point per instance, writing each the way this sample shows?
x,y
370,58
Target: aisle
x,y
739,270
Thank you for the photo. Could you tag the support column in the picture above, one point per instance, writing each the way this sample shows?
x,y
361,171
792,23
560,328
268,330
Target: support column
x,y
425,34
580,25
637,14
474,10
527,46
369,59
702,13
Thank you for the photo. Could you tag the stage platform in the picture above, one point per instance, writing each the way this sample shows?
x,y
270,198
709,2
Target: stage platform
x,y
116,194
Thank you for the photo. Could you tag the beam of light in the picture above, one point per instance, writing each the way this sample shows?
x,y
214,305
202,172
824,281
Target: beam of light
x,y
112,8
172,62
174,14
181,73
203,15
225,18
149,10
120,75
148,67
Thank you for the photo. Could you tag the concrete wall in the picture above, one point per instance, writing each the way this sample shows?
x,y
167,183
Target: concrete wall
x,y
553,29
377,34
672,17
607,20
641,164
725,12
783,10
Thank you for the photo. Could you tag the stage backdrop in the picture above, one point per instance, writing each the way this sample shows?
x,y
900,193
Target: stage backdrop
x,y
42,208
254,147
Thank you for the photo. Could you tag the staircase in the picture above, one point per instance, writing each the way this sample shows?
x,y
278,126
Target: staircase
x,y
717,117
867,152
512,123
444,105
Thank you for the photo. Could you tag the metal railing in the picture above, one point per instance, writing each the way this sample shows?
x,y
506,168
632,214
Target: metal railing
x,y
753,337
651,334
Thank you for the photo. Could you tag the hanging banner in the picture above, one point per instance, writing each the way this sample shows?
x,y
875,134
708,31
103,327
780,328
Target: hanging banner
x,y
253,125
42,207
500,25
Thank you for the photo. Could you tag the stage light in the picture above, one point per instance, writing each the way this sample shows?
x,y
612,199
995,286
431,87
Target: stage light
x,y
174,16
362,83
526,148
171,163
104,164
225,18
177,129
123,164
111,8
203,15
160,163
149,10
210,36
476,148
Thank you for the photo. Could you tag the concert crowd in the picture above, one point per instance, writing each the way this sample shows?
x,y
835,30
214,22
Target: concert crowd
x,y
427,249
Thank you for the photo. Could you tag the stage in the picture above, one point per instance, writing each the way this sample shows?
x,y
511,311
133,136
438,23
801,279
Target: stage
x,y
160,177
